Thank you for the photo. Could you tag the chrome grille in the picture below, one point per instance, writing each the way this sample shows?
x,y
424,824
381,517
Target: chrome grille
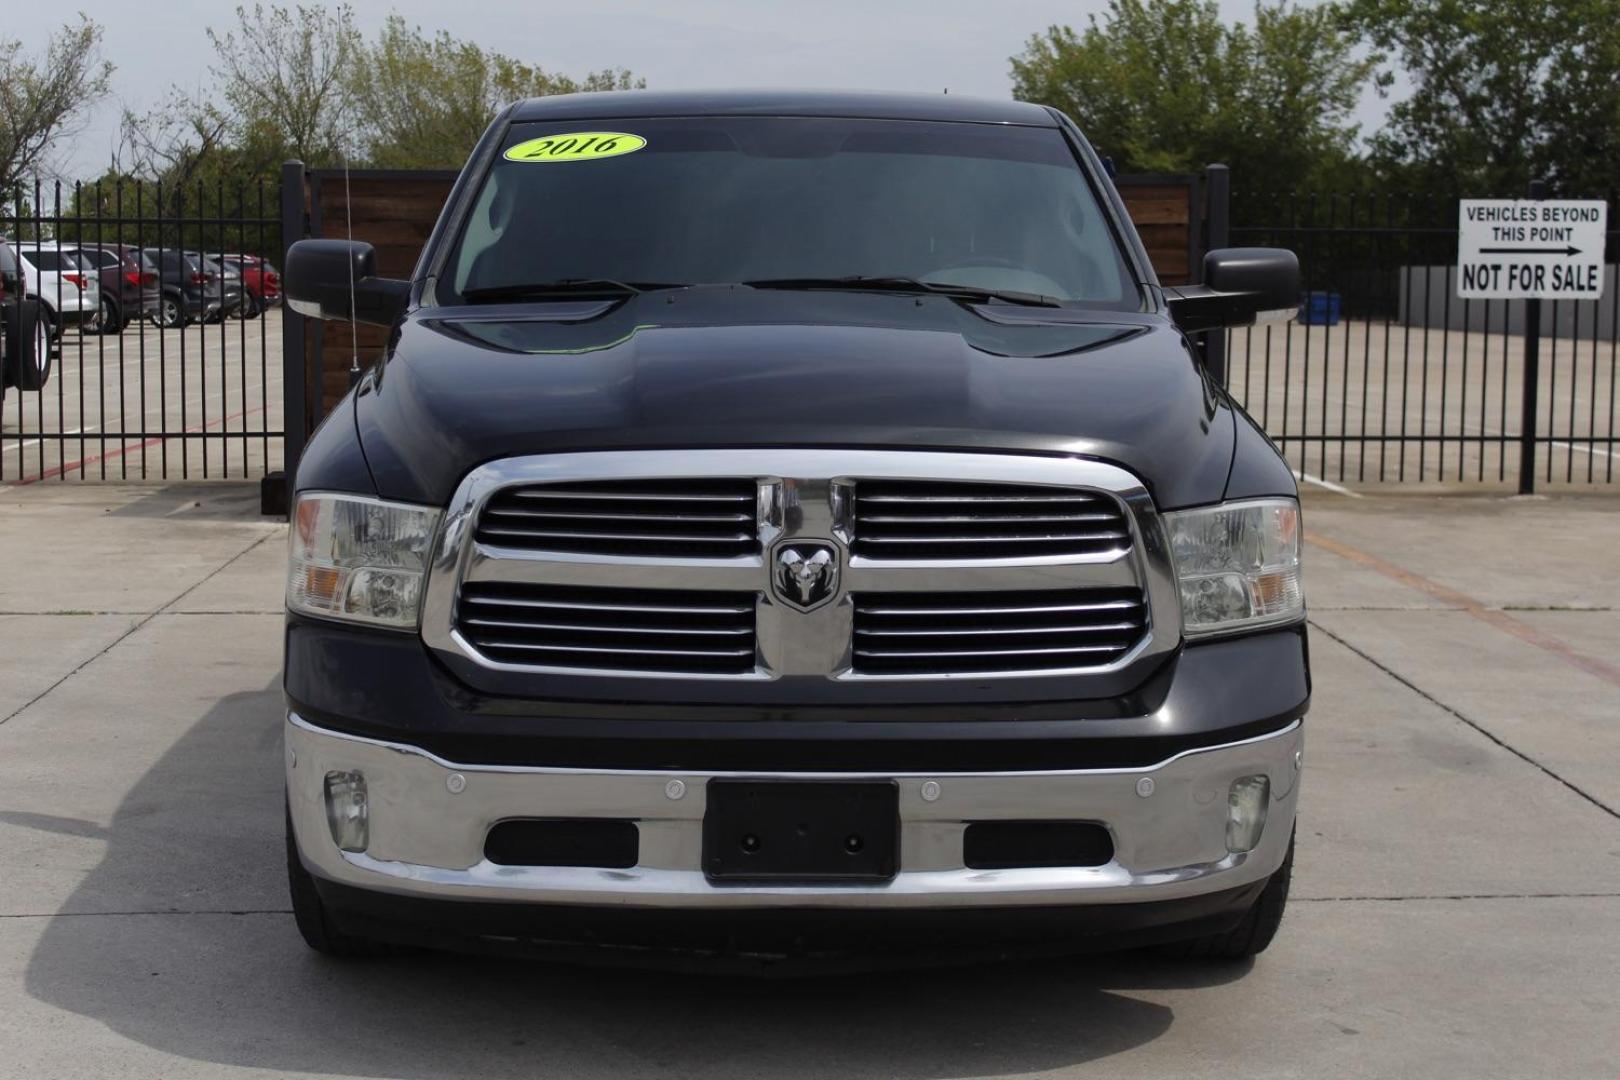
x,y
650,572
943,519
966,632
670,630
698,518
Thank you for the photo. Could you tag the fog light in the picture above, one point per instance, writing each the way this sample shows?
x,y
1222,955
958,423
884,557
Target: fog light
x,y
346,812
1246,807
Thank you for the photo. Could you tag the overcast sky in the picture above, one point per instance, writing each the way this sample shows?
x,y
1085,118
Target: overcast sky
x,y
925,45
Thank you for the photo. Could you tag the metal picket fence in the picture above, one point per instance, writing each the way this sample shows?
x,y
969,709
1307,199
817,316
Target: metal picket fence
x,y
1388,377
168,356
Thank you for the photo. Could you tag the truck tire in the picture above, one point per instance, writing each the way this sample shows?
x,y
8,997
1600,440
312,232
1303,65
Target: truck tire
x,y
29,318
310,914
1251,936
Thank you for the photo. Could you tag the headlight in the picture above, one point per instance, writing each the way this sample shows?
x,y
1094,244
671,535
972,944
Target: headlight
x,y
359,559
1238,565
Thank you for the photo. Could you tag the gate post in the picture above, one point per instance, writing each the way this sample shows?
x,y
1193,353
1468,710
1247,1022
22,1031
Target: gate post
x,y
276,494
1531,376
1217,234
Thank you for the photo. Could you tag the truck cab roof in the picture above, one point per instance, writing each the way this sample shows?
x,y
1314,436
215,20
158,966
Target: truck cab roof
x,y
808,103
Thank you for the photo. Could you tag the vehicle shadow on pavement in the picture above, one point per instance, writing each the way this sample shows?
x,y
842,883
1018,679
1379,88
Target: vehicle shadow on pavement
x,y
212,969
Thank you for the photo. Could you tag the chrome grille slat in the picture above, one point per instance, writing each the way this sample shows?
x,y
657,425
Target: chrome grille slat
x,y
575,628
948,653
949,519
1002,630
738,609
690,632
1042,609
666,518
572,534
1055,498
921,635
707,653
1032,538
954,519
627,496
586,515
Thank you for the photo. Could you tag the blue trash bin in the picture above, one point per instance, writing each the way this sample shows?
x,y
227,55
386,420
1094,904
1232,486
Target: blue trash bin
x,y
1320,309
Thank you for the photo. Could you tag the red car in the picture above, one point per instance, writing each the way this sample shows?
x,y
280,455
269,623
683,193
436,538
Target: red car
x,y
260,280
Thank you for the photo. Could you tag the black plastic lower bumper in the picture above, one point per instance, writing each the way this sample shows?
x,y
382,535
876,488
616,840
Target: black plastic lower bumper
x,y
776,941
388,686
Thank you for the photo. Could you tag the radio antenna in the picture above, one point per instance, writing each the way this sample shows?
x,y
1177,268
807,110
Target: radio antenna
x,y
354,327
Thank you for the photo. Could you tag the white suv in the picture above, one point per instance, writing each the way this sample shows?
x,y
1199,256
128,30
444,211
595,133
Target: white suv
x,y
67,286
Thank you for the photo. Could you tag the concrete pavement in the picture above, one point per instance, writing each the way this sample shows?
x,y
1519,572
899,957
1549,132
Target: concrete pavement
x,y
1457,898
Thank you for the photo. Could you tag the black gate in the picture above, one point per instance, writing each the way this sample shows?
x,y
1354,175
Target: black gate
x,y
165,308
1388,377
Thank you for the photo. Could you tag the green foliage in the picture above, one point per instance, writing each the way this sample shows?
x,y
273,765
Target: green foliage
x,y
1166,86
46,99
1504,91
218,211
303,83
426,100
281,73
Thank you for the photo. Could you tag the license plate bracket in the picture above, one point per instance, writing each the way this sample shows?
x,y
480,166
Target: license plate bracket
x,y
804,832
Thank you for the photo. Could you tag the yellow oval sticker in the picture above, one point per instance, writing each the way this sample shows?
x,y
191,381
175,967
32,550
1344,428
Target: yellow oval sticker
x,y
576,146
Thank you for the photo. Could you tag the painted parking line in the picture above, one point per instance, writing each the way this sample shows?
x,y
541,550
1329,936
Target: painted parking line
x,y
1501,620
1339,489
69,466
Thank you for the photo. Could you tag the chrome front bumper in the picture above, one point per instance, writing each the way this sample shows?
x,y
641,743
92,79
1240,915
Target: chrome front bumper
x,y
427,829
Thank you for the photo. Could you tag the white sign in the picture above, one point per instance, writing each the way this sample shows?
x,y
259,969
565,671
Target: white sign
x,y
1515,249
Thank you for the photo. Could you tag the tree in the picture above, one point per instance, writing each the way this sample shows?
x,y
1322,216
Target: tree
x,y
1503,92
282,73
173,142
1166,86
44,100
423,102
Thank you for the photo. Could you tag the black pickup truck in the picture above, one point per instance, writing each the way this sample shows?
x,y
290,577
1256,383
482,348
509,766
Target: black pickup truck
x,y
790,523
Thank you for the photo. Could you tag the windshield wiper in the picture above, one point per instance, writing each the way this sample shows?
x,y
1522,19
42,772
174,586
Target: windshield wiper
x,y
562,287
857,283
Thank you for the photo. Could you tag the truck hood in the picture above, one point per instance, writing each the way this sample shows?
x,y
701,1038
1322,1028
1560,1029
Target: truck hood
x,y
737,367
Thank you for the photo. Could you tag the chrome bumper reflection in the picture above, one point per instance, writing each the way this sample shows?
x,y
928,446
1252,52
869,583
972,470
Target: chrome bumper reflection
x,y
428,829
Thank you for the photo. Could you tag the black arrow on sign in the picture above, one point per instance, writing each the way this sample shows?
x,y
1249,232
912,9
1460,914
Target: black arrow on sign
x,y
1571,251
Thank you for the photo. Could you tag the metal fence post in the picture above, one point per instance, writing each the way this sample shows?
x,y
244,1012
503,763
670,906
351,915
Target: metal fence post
x,y
1217,228
1532,378
275,494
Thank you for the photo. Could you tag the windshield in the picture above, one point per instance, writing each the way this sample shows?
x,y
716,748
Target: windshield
x,y
712,200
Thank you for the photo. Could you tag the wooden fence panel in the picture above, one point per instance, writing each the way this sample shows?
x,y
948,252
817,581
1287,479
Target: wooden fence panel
x,y
1167,216
392,211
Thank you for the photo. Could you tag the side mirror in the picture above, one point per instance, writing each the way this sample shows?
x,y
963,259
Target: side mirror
x,y
1242,286
323,275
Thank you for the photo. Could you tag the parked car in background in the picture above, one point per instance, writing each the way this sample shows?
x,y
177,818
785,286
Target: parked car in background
x,y
67,287
227,277
260,280
190,290
25,337
128,291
